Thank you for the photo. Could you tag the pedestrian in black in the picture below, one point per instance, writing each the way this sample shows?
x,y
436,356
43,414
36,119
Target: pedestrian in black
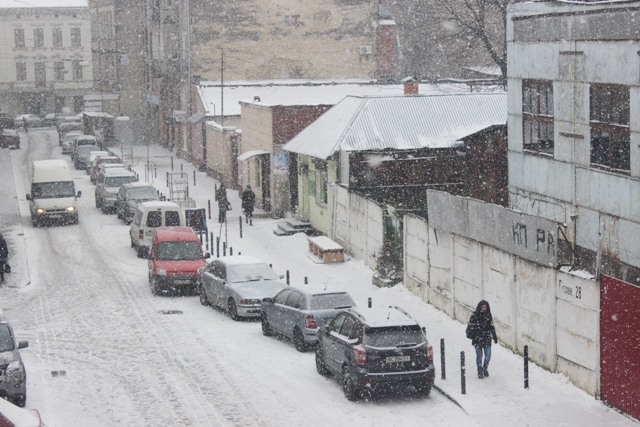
x,y
4,254
248,204
223,203
481,331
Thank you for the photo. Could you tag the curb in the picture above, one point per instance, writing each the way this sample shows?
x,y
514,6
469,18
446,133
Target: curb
x,y
448,396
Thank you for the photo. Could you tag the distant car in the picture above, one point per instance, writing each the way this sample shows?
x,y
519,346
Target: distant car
x,y
107,185
238,284
130,196
80,141
53,119
67,141
375,349
82,154
297,313
9,137
92,157
13,376
97,165
14,416
66,127
31,121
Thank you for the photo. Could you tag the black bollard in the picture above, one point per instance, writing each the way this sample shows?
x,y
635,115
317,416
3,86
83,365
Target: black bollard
x,y
230,251
181,167
215,192
217,247
167,179
209,204
287,277
194,178
155,171
462,373
526,366
369,302
211,241
158,191
306,281
270,265
171,164
442,364
224,248
200,237
206,238
240,218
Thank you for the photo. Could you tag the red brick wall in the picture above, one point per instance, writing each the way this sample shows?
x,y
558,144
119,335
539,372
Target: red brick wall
x,y
288,121
386,51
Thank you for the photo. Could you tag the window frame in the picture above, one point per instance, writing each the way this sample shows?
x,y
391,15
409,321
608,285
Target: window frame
x,y
538,117
57,37
58,71
19,41
38,38
76,37
40,70
609,126
21,71
76,70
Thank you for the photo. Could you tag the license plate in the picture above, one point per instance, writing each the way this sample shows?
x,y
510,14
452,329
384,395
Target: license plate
x,y
55,216
253,311
182,282
397,359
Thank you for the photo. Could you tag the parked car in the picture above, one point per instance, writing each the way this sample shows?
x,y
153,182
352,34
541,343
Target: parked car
x,y
30,120
67,141
130,196
238,284
13,416
53,119
82,155
174,259
296,313
375,349
13,376
149,216
81,140
92,157
97,165
66,127
9,137
107,185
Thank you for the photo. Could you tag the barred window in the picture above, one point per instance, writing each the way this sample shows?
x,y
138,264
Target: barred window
x,y
609,122
537,116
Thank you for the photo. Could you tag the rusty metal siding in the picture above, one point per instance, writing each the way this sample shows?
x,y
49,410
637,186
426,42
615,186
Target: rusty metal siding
x,y
620,345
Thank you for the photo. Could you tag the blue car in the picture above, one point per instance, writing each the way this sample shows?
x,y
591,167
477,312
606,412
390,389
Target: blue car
x,y
297,313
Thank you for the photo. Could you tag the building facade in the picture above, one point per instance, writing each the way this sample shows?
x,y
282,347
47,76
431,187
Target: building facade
x,y
46,58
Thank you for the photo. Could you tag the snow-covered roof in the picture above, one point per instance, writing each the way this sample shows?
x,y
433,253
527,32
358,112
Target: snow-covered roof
x,y
389,316
490,70
240,260
319,289
399,122
298,92
97,114
14,4
158,204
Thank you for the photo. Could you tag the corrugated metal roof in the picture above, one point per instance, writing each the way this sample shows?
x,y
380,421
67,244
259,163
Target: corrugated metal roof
x,y
399,122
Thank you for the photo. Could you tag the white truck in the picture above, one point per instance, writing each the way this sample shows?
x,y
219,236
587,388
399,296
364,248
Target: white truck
x,y
53,193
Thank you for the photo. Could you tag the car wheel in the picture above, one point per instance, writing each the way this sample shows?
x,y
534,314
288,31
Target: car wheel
x,y
20,400
75,219
348,387
233,310
153,285
423,389
35,222
203,295
298,340
266,329
321,367
98,204
140,251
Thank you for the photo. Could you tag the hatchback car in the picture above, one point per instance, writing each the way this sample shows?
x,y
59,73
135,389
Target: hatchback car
x,y
107,186
97,165
130,196
375,349
238,284
296,313
82,154
13,376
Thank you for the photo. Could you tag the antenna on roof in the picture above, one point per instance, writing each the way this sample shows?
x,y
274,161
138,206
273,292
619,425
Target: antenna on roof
x,y
389,315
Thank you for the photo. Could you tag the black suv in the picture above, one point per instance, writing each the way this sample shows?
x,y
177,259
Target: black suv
x,y
13,377
374,349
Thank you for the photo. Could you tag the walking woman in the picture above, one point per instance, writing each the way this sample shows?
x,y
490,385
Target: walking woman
x,y
481,331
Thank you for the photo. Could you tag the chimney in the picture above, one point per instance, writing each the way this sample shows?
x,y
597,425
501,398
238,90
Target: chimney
x,y
256,99
411,86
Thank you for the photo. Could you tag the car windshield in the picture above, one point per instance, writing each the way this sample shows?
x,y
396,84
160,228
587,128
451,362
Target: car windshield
x,y
6,340
394,336
85,150
118,181
250,273
50,190
178,251
142,193
331,301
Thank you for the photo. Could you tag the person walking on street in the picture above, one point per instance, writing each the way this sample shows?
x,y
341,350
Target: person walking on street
x,y
4,254
223,203
248,204
481,331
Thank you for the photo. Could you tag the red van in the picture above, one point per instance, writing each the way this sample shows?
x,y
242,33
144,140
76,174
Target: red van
x,y
175,256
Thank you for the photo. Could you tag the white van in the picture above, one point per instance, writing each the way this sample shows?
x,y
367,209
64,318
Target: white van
x,y
149,216
53,194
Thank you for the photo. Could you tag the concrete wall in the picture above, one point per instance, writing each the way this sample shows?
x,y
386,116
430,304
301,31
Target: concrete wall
x,y
357,224
221,153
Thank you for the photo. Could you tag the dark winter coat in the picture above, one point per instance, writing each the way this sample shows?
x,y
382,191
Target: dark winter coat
x,y
480,328
221,197
4,249
248,200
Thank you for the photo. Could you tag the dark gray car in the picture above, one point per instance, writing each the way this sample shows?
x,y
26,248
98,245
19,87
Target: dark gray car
x,y
297,313
13,376
130,196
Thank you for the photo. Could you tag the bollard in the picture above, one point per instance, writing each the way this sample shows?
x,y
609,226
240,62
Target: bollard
x,y
287,277
155,171
171,165
442,363
240,218
270,265
526,366
211,241
215,192
369,302
239,253
209,205
158,191
206,238
194,178
224,248
462,378
217,247
230,251
181,167
306,281
200,237
167,179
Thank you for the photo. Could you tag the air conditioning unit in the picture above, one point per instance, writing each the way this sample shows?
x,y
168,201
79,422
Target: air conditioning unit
x,y
364,50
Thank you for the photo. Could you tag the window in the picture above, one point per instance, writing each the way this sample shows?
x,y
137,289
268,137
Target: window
x,y
154,219
78,103
294,301
337,322
321,197
76,70
76,38
281,298
351,328
59,102
21,71
18,36
41,74
609,120
537,116
56,36
38,38
172,219
312,183
58,70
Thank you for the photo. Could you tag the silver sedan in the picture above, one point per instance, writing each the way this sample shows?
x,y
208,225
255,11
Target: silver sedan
x,y
238,284
297,313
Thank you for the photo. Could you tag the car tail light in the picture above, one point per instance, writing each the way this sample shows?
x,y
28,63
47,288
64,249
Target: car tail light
x,y
141,235
361,355
430,352
310,322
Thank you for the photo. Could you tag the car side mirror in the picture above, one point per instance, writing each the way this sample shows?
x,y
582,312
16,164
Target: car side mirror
x,y
23,344
79,193
29,197
207,255
267,300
